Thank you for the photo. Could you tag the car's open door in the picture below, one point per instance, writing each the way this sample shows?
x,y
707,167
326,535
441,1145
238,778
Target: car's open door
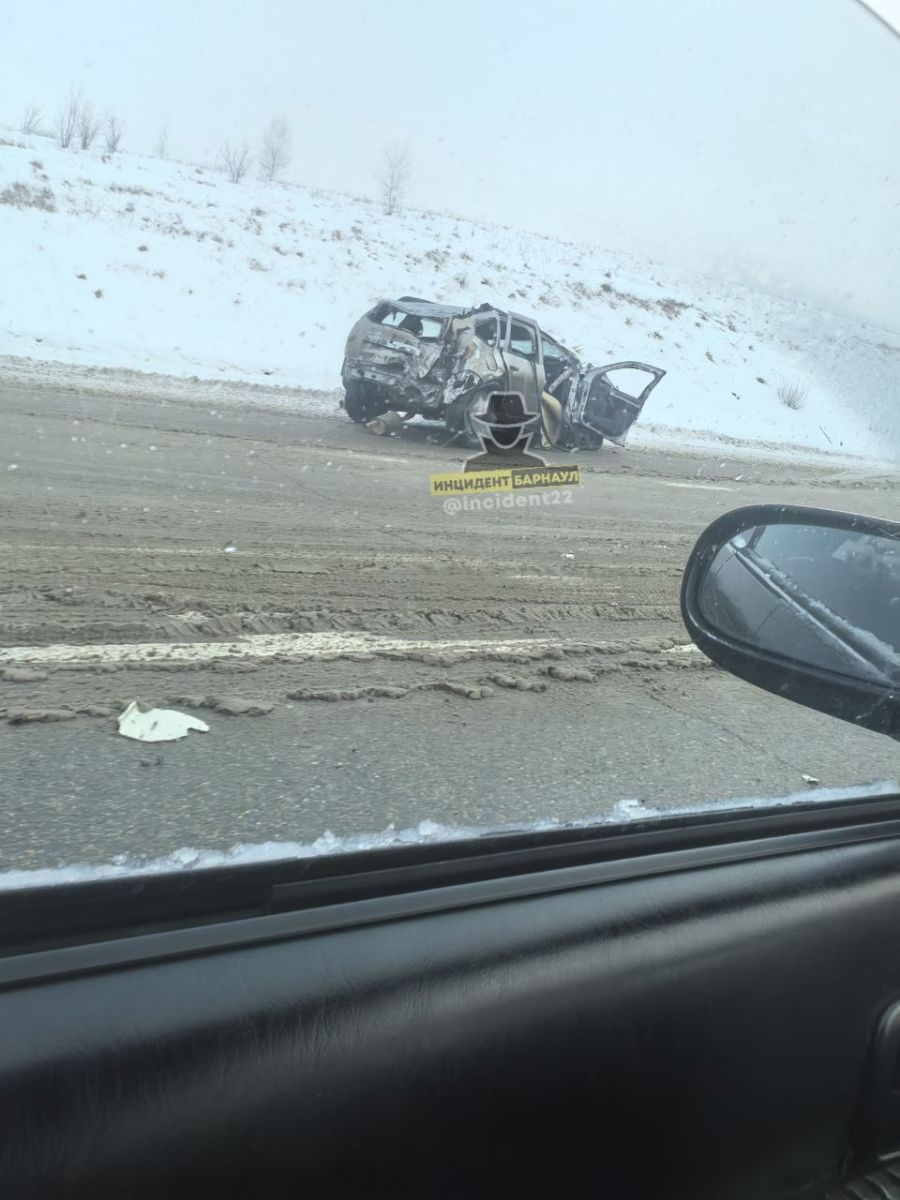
x,y
609,399
522,357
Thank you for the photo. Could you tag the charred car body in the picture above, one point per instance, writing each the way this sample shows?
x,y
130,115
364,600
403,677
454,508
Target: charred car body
x,y
433,360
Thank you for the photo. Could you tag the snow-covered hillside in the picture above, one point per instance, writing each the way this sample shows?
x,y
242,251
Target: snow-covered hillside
x,y
160,267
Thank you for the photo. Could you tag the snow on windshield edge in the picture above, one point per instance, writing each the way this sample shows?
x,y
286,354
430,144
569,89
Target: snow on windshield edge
x,y
190,858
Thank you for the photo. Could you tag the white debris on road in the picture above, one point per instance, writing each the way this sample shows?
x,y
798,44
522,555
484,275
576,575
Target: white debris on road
x,y
157,724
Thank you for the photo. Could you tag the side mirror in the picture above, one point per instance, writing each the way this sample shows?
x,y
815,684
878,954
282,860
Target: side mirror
x,y
805,603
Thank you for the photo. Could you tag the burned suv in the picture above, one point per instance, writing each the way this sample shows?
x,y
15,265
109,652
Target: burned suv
x,y
433,360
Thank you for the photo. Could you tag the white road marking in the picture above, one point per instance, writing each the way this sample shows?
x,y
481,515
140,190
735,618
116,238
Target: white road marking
x,y
328,645
260,645
699,487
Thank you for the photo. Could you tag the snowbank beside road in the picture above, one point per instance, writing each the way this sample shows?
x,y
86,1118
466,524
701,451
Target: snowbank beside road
x,y
218,395
157,267
35,375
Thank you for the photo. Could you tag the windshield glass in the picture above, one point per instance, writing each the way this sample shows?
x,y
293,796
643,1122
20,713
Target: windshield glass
x,y
324,524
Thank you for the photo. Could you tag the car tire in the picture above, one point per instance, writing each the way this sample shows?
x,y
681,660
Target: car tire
x,y
361,401
579,439
590,440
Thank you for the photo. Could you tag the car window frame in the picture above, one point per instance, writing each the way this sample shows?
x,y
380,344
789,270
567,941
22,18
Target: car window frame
x,y
534,334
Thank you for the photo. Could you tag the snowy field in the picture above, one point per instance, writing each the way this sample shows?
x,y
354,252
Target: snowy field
x,y
245,293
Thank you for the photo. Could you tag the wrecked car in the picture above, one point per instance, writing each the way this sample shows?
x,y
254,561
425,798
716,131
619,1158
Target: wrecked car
x,y
416,358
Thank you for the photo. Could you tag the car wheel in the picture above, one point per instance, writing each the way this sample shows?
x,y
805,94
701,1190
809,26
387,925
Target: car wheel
x,y
362,402
589,440
579,439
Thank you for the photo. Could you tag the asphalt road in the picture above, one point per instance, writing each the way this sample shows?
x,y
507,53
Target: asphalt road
x,y
520,665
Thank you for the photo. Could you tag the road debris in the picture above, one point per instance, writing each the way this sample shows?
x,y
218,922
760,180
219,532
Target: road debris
x,y
157,724
811,780
388,424
237,706
569,674
22,716
517,682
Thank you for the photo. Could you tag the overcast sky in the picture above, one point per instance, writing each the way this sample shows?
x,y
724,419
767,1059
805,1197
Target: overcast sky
x,y
758,137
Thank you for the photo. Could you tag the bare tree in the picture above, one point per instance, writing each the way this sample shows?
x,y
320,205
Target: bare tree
x,y
31,118
236,160
161,149
393,177
67,116
114,130
275,149
88,125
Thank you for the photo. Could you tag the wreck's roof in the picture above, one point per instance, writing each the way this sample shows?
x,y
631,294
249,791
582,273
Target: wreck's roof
x,y
425,308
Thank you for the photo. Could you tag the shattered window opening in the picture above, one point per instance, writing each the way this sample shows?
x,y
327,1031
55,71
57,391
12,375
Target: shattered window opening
x,y
556,360
427,329
488,331
629,381
521,341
